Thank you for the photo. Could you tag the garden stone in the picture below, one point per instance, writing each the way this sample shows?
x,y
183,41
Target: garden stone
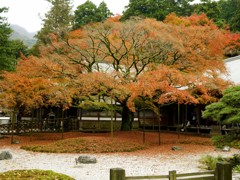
x,y
86,160
16,141
226,148
175,148
5,155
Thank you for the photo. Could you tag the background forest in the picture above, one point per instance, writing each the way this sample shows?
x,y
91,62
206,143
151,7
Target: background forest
x,y
155,53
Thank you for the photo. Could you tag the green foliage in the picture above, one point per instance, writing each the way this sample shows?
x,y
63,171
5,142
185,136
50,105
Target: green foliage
x,y
88,12
157,9
222,12
236,169
103,12
227,110
208,7
234,161
221,141
230,139
209,162
57,21
230,12
95,105
9,49
33,174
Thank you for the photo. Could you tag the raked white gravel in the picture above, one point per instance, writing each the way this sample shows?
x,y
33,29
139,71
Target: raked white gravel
x,y
133,165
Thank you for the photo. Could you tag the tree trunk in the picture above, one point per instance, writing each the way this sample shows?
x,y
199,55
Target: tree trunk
x,y
127,118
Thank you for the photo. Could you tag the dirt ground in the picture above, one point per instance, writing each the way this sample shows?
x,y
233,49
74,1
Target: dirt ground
x,y
189,143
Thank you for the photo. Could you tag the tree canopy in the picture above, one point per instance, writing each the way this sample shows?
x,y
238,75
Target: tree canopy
x,y
114,59
223,12
157,9
88,12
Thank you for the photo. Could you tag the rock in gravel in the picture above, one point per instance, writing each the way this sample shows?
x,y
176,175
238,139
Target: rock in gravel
x,y
176,148
86,160
5,155
16,141
226,148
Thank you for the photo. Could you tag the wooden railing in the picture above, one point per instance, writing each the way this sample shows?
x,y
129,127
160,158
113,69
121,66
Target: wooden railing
x,y
223,171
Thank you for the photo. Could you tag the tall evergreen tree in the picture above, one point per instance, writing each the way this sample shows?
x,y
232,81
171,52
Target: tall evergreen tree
x,y
103,12
58,20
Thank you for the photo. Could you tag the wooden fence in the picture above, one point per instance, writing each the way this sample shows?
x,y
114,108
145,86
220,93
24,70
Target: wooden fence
x,y
223,171
26,126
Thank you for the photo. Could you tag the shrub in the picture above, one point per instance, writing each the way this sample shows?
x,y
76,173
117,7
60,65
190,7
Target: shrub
x,y
209,162
236,169
222,140
234,160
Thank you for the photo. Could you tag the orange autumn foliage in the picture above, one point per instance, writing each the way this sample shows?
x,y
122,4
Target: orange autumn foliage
x,y
32,86
116,59
193,20
162,86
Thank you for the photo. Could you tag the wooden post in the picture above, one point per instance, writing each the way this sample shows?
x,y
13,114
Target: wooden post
x,y
159,130
117,174
31,126
178,126
12,125
62,124
111,125
144,135
223,171
172,175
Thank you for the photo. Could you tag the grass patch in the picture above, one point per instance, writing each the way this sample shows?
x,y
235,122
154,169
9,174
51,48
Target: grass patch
x,y
209,162
33,174
87,145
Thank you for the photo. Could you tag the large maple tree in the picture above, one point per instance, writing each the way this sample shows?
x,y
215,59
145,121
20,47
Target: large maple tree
x,y
112,58
126,50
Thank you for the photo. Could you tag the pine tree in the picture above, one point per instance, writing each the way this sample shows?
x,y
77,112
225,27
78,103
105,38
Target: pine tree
x,y
57,21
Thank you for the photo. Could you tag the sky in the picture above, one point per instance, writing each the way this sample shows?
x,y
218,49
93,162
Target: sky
x,y
28,13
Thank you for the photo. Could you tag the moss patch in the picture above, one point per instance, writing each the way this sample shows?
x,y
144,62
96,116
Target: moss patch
x,y
87,145
33,174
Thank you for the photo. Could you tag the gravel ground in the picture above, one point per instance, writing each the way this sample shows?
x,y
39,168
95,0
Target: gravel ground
x,y
134,165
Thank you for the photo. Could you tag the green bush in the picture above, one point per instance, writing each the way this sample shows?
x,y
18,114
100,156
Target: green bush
x,y
236,169
226,140
234,160
209,162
